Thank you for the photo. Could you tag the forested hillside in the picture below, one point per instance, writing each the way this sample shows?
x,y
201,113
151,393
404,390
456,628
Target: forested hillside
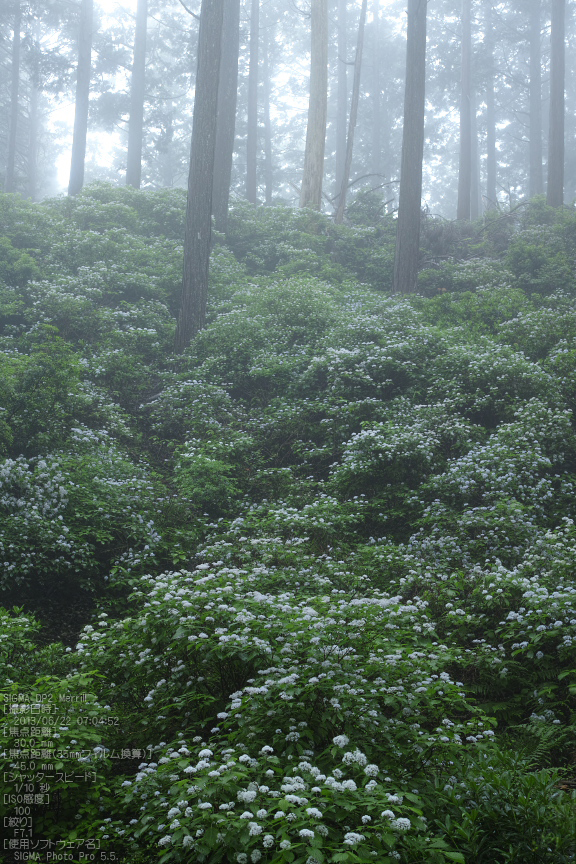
x,y
304,592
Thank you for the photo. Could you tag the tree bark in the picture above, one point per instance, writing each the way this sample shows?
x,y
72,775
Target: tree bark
x,y
33,119
465,165
167,158
82,98
377,161
536,173
10,179
410,203
311,192
268,167
555,191
226,126
342,91
137,93
192,316
339,217
491,164
252,128
475,192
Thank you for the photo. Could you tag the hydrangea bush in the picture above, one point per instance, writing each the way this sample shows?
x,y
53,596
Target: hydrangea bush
x,y
329,549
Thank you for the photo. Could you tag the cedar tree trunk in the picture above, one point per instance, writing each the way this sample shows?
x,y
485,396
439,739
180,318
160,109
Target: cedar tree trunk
x,y
555,191
339,217
192,316
82,98
137,91
226,127
409,210
465,166
10,180
311,192
252,127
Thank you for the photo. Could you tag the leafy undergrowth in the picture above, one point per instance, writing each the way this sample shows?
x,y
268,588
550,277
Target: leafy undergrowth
x,y
314,580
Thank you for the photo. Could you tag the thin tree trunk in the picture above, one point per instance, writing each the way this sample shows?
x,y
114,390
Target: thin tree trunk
x,y
339,217
226,126
82,98
475,193
10,179
167,162
555,191
34,123
465,165
192,316
311,192
491,165
342,91
252,129
377,162
410,204
268,167
137,93
536,173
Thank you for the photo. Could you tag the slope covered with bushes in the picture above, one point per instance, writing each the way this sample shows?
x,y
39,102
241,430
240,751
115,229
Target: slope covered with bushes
x,y
314,580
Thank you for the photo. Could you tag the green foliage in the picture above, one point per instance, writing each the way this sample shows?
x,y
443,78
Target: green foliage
x,y
39,390
16,266
70,517
540,262
334,541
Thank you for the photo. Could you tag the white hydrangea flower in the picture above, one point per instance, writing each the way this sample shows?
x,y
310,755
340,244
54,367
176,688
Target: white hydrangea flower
x,y
352,839
401,824
246,795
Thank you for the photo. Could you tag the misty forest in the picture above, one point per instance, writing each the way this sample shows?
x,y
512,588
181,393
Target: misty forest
x,y
288,431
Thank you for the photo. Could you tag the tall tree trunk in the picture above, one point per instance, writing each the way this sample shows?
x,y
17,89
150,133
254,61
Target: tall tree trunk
x,y
166,155
491,177
409,211
465,166
555,191
10,179
377,166
33,119
268,167
252,128
536,173
226,127
137,93
192,317
339,217
311,192
342,93
82,98
475,192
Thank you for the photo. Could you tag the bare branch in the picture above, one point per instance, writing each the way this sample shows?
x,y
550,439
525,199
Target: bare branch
x,y
194,15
